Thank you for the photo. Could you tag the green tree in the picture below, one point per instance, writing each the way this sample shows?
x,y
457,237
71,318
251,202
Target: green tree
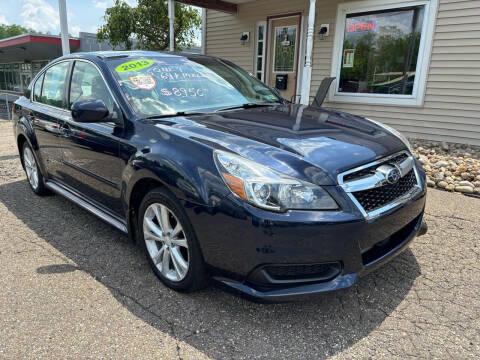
x,y
14,30
148,24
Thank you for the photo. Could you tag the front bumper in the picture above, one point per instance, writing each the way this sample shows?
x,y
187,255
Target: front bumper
x,y
238,241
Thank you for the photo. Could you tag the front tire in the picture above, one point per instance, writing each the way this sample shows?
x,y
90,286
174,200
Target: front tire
x,y
169,242
34,176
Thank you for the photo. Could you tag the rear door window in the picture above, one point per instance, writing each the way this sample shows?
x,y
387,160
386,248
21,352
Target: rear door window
x,y
54,85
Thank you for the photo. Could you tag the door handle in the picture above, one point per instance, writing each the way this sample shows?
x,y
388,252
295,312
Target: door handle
x,y
65,131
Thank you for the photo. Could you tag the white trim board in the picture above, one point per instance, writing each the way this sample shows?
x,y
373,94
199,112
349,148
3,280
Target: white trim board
x,y
423,62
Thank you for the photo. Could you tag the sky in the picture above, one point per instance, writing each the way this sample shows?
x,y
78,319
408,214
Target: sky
x,y
42,15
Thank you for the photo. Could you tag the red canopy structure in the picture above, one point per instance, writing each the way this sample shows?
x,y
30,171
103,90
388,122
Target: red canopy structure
x,y
31,47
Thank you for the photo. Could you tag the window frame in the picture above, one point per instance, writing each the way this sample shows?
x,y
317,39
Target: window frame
x,y
259,24
39,78
423,61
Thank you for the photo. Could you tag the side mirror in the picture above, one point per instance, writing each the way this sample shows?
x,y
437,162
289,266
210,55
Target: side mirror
x,y
27,92
89,111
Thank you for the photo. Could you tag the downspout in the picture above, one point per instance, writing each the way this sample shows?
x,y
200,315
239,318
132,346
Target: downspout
x,y
307,70
204,31
62,9
171,20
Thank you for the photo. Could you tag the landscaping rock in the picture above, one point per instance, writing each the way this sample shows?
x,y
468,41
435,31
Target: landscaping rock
x,y
464,189
461,169
466,183
452,167
466,176
442,184
423,159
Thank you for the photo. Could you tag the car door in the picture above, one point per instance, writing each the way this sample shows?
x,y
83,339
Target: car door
x,y
92,165
47,113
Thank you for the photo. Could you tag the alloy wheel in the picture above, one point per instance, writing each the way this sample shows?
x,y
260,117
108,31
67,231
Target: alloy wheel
x,y
166,242
30,167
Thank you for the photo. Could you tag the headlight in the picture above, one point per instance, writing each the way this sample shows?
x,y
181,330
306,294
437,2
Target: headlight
x,y
394,132
268,189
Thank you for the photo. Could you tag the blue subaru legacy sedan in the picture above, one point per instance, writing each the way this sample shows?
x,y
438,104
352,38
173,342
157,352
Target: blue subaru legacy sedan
x,y
216,176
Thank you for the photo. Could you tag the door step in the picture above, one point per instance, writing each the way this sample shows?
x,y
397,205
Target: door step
x,y
85,204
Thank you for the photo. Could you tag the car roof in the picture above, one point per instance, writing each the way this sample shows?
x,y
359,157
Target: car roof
x,y
103,55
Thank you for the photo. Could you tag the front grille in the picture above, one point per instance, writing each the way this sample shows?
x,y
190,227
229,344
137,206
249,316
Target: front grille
x,y
323,271
371,169
375,198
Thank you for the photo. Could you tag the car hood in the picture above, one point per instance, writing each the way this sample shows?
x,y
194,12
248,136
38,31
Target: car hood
x,y
305,142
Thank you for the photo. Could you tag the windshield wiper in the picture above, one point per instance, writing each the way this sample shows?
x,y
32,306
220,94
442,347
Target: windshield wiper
x,y
188,113
247,106
179,113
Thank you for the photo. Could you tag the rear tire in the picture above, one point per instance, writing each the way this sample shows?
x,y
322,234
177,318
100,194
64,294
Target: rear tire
x,y
34,176
169,242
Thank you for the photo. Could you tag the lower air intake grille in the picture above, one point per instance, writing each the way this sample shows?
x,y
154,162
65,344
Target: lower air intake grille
x,y
375,198
322,271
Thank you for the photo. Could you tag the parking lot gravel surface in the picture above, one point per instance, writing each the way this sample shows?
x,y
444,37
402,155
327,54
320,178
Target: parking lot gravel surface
x,y
72,287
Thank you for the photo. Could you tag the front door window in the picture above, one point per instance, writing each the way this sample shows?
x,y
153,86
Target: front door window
x,y
88,84
285,49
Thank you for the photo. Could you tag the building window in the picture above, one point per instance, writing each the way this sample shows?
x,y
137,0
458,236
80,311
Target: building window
x,y
260,50
284,48
382,52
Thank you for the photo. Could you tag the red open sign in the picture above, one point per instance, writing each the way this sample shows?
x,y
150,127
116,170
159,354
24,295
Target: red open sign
x,y
364,26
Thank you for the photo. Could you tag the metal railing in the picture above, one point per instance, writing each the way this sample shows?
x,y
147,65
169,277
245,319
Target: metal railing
x,y
6,101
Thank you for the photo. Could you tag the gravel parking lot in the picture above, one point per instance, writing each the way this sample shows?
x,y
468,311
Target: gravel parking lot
x,y
74,287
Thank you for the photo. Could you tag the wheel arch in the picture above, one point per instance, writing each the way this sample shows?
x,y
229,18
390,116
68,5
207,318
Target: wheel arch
x,y
25,134
189,175
134,194
21,140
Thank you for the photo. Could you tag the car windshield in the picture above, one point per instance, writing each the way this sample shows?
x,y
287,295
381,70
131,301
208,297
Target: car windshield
x,y
167,85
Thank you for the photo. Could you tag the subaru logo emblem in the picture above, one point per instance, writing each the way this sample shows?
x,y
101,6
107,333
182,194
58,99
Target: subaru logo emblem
x,y
393,175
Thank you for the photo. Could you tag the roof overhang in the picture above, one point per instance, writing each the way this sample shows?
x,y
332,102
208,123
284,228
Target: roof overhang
x,y
33,47
229,6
